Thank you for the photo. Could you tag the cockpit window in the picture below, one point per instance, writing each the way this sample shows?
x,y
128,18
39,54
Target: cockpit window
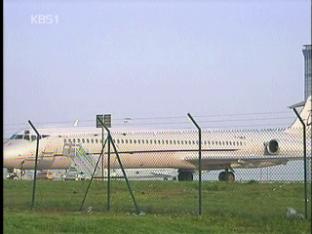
x,y
13,137
27,137
18,137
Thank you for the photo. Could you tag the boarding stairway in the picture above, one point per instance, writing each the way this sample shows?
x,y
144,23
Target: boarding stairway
x,y
83,164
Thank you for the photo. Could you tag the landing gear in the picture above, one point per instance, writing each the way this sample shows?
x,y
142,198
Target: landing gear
x,y
12,177
22,173
12,174
185,175
227,176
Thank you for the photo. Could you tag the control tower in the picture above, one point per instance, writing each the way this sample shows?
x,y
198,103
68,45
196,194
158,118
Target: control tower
x,y
307,54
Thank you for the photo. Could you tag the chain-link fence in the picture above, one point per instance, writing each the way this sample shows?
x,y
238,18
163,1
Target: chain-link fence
x,y
257,173
269,162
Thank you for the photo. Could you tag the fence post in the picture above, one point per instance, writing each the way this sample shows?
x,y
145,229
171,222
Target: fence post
x,y
36,162
199,166
108,174
110,141
304,163
102,167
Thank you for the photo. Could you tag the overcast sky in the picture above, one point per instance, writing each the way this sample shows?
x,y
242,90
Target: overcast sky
x,y
151,58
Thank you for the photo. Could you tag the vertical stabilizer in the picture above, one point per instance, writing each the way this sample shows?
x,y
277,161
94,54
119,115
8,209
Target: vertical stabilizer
x,y
305,114
76,123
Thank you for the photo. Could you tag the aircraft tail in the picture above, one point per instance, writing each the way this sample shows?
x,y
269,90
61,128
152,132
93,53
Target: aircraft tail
x,y
305,114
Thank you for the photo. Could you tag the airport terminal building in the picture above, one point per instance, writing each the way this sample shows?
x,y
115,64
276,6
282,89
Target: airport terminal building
x,y
307,53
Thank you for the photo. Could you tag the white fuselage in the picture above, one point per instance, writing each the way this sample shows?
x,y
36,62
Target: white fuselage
x,y
155,149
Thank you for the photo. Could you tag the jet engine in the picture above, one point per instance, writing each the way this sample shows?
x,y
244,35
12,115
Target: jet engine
x,y
271,147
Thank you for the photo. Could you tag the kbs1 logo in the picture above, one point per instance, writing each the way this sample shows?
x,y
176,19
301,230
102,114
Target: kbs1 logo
x,y
44,19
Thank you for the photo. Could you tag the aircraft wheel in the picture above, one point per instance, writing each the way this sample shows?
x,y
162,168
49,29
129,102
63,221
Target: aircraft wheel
x,y
185,176
222,176
226,176
230,177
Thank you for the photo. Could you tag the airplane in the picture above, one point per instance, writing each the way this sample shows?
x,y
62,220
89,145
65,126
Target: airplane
x,y
221,150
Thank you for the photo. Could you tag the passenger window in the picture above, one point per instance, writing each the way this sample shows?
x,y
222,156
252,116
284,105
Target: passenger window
x,y
159,142
33,138
155,142
118,141
64,140
167,142
170,142
74,140
83,140
88,140
78,140
139,141
130,141
134,141
96,141
151,141
122,141
178,142
92,141
174,142
126,141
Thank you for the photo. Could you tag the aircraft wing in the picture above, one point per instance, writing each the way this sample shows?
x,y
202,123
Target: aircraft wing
x,y
217,162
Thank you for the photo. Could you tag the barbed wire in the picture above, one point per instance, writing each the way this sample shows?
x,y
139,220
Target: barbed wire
x,y
167,117
185,125
211,121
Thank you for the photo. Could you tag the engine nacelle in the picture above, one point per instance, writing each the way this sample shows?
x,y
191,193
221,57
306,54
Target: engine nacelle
x,y
272,147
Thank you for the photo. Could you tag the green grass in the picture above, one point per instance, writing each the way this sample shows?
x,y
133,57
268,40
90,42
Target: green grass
x,y
169,207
